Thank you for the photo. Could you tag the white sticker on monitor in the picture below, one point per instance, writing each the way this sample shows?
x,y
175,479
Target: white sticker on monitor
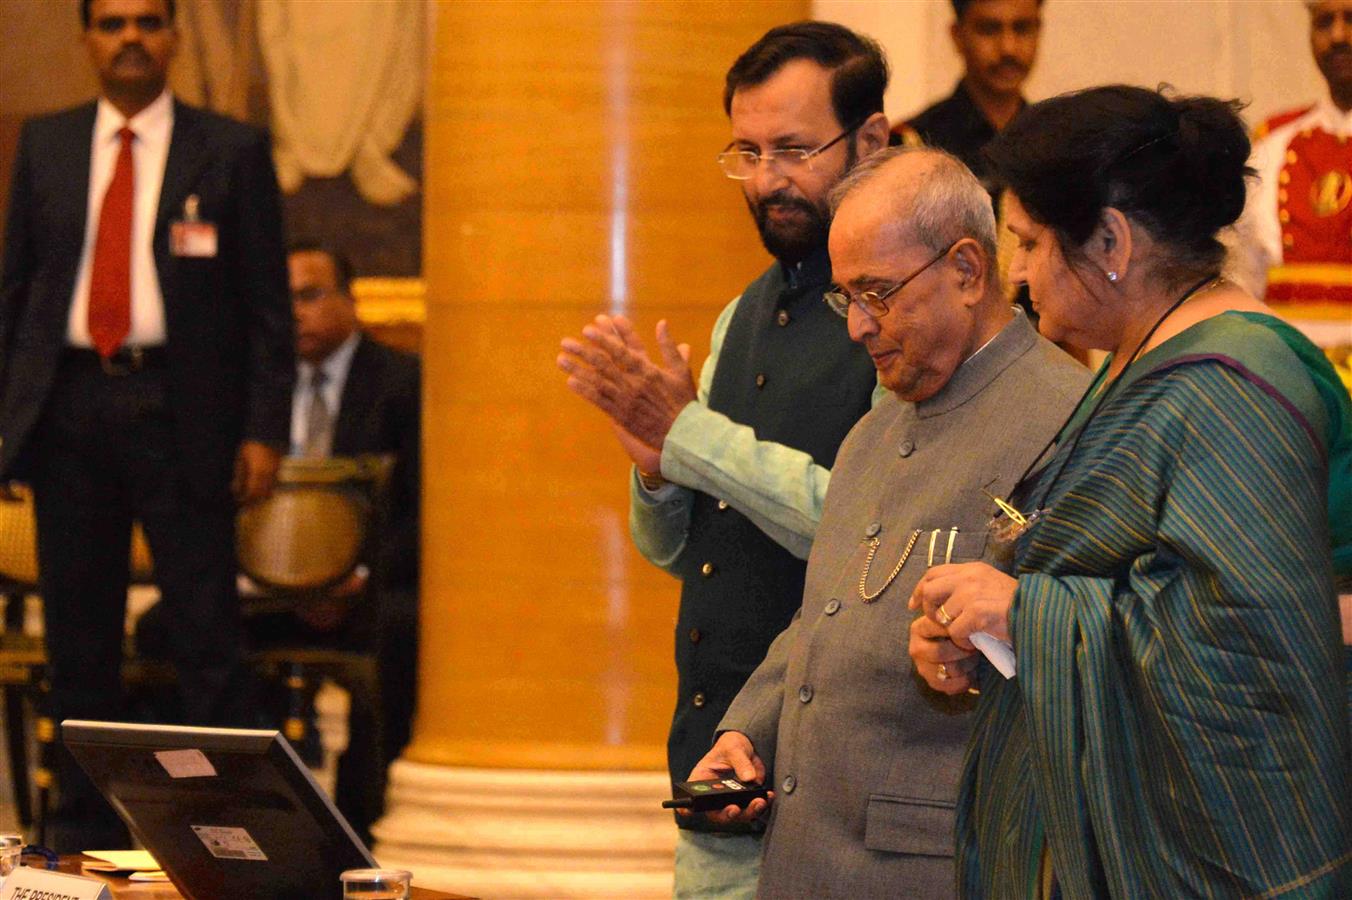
x,y
224,842
185,763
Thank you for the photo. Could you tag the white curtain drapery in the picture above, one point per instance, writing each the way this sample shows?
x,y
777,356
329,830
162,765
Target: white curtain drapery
x,y
344,82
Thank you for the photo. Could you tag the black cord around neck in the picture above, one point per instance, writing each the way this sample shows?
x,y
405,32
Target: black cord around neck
x,y
1103,396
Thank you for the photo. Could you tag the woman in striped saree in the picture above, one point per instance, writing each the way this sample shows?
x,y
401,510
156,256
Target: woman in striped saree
x,y
1177,725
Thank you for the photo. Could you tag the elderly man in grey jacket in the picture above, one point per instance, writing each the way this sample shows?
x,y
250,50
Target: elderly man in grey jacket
x,y
863,757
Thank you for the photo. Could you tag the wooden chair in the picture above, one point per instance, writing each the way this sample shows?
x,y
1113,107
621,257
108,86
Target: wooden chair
x,y
23,656
311,535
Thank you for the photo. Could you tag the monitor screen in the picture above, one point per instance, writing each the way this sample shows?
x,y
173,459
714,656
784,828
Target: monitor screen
x,y
228,813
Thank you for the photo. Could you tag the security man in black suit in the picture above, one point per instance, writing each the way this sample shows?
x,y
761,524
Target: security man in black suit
x,y
145,372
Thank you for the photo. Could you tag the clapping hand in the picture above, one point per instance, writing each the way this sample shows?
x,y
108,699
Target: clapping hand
x,y
610,368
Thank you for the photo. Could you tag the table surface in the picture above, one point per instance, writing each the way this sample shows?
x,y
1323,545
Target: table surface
x,y
163,890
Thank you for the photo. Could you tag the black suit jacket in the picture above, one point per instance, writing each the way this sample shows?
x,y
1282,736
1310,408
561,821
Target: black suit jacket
x,y
380,412
228,319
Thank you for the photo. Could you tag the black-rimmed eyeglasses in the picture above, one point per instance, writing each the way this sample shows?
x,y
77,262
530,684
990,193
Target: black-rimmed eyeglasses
x,y
873,302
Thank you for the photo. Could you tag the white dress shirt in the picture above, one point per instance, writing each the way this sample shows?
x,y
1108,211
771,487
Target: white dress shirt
x,y
335,367
154,126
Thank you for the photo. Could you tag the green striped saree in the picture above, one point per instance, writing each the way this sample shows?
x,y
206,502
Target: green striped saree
x,y
1178,726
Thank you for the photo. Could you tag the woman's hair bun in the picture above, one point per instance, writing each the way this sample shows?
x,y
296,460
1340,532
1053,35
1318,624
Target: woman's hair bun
x,y
1214,148
1174,165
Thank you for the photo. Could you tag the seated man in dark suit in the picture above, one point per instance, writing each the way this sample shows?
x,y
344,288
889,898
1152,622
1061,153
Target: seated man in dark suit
x,y
369,398
353,396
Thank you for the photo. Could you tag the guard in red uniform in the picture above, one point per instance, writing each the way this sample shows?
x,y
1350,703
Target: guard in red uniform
x,y
1295,238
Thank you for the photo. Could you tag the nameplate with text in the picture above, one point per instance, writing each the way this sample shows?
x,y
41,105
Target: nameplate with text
x,y
28,883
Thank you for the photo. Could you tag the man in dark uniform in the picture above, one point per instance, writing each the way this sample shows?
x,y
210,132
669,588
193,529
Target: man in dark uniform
x,y
731,473
146,340
997,40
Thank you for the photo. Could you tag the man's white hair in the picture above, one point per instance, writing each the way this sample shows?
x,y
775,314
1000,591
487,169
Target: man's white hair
x,y
948,204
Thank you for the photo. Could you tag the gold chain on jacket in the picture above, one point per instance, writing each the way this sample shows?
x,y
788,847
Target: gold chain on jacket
x,y
868,564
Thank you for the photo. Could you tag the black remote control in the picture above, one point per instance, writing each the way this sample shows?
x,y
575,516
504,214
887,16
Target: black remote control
x,y
712,794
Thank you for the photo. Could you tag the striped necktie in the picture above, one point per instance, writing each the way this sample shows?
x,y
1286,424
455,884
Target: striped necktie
x,y
319,421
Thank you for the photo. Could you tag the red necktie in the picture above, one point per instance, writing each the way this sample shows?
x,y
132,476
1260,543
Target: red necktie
x,y
110,284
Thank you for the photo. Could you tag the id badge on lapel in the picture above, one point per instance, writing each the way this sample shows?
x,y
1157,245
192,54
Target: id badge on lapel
x,y
190,236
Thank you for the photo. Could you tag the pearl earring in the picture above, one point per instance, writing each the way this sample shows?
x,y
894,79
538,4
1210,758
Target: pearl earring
x,y
1112,276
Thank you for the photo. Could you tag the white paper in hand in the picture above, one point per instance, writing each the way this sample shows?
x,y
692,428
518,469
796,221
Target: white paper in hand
x,y
1000,653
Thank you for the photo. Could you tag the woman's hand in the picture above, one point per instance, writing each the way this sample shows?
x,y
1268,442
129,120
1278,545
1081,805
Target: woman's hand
x,y
964,598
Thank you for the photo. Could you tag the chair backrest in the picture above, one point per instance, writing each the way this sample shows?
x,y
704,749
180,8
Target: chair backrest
x,y
311,533
18,539
19,543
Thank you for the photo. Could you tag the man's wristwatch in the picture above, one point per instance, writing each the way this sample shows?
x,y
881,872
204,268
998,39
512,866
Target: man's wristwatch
x,y
651,480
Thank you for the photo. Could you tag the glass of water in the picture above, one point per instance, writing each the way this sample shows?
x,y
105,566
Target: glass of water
x,y
376,884
11,849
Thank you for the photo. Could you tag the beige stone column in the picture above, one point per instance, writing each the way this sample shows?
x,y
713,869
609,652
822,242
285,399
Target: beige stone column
x,y
570,171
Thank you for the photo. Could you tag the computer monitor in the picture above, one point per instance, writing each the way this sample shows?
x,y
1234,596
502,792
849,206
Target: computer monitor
x,y
228,813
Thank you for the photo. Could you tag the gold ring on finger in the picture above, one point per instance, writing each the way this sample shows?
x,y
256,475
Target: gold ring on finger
x,y
944,618
943,672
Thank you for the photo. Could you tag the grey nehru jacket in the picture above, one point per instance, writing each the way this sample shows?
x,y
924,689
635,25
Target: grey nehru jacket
x,y
865,758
